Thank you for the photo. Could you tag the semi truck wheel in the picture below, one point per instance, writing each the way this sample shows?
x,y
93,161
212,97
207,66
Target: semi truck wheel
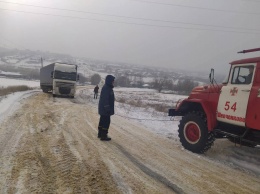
x,y
194,134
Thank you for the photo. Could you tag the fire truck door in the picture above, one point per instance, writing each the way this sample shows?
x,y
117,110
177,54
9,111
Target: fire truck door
x,y
233,100
253,110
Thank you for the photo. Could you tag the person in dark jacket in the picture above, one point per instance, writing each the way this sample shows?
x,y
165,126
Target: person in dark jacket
x,y
248,78
96,92
106,108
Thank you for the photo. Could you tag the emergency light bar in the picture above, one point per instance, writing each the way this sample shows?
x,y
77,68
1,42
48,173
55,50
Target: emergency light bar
x,y
249,50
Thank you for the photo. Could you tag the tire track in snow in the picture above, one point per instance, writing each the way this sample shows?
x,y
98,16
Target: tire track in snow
x,y
149,171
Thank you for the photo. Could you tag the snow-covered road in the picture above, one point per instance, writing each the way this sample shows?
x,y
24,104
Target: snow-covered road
x,y
49,145
11,102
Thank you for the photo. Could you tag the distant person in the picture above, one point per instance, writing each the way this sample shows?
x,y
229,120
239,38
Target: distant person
x,y
96,92
250,75
106,108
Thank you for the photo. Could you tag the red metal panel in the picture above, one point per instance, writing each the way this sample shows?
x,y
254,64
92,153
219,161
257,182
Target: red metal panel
x,y
209,108
244,61
253,109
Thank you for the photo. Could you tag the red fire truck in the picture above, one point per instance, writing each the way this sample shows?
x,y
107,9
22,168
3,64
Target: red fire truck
x,y
230,110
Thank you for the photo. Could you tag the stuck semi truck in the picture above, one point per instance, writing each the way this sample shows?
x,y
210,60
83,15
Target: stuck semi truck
x,y
229,110
59,78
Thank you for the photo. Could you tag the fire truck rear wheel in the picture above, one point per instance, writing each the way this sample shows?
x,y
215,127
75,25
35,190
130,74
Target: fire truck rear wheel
x,y
194,134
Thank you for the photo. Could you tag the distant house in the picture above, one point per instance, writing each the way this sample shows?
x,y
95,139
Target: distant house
x,y
146,86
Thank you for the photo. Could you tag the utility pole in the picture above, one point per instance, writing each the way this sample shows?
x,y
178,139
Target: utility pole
x,y
41,61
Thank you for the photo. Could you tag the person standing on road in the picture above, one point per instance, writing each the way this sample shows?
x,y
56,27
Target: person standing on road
x,y
106,107
96,92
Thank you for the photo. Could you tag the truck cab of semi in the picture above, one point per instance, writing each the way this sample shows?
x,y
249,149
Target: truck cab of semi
x,y
64,79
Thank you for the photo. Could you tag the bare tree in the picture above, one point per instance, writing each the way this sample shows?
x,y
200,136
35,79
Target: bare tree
x,y
160,83
82,78
95,79
185,86
123,81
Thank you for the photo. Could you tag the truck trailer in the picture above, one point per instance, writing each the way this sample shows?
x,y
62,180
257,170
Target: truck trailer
x,y
59,78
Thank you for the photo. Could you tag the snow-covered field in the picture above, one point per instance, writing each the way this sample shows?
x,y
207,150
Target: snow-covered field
x,y
10,103
5,82
158,122
161,124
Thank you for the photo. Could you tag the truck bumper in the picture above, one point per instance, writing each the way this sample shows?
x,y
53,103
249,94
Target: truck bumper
x,y
173,112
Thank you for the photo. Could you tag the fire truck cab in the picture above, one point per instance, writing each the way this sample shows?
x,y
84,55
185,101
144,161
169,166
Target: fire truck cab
x,y
230,110
239,100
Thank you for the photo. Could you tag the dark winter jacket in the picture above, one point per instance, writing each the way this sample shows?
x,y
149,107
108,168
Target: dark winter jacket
x,y
96,89
248,78
107,98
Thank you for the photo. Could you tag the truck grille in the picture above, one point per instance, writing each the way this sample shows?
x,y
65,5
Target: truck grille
x,y
64,84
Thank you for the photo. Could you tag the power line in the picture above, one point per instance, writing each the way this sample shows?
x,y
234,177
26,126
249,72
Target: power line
x,y
138,18
194,7
145,1
137,24
252,1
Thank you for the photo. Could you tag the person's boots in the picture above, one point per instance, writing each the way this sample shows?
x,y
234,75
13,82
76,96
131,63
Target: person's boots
x,y
104,136
99,132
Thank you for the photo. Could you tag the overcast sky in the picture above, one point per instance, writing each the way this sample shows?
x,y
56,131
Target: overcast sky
x,y
184,34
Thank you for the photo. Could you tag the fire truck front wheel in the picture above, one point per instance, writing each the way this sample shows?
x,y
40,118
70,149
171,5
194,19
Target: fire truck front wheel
x,y
194,134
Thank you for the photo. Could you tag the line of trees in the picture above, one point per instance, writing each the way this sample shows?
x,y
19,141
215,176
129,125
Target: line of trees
x,y
183,86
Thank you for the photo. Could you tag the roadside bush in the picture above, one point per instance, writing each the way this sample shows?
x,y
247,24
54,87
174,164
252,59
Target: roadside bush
x,y
136,103
12,89
121,100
